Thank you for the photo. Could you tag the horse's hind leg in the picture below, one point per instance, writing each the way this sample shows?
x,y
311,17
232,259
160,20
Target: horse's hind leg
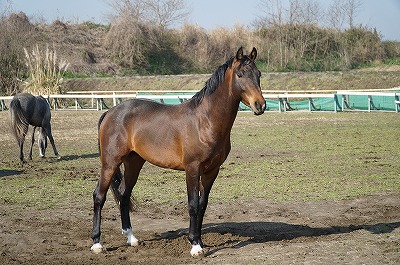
x,y
32,142
133,164
21,141
99,198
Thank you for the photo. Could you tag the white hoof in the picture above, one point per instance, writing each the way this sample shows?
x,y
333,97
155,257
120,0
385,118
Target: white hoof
x,y
196,251
97,248
132,240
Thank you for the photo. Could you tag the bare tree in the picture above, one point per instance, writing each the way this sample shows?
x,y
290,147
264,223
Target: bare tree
x,y
291,25
125,9
351,10
335,15
341,12
163,13
274,12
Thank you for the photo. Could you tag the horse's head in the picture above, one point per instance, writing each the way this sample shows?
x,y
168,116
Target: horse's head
x,y
42,142
246,81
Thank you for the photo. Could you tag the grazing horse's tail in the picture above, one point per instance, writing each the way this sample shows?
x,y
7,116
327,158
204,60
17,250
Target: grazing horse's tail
x,y
117,178
19,123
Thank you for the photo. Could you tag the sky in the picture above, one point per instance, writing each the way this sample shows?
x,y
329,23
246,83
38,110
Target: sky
x,y
384,15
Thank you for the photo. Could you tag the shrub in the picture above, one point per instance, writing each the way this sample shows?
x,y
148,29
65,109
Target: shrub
x,y
129,41
16,31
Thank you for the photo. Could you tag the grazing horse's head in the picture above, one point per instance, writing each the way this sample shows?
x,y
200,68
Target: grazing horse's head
x,y
246,81
42,142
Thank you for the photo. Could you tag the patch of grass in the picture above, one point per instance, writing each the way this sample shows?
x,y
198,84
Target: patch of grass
x,y
296,156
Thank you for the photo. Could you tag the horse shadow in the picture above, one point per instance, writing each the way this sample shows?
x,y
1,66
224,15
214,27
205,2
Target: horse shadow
x,y
84,156
262,232
9,172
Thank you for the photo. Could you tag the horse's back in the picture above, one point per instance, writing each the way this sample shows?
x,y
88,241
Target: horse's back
x,y
35,108
144,109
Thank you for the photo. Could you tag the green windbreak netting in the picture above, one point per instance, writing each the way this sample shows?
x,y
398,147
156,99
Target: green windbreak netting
x,y
285,104
339,102
368,102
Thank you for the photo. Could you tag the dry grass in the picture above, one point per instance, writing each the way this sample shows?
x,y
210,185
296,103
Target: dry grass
x,y
45,71
366,79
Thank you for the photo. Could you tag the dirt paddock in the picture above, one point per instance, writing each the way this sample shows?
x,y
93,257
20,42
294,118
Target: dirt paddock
x,y
361,231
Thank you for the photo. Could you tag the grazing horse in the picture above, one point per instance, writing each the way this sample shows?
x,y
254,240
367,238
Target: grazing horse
x,y
25,110
193,136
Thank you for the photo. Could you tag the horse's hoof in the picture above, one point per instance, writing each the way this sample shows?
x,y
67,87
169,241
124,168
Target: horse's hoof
x,y
59,157
97,248
197,251
132,240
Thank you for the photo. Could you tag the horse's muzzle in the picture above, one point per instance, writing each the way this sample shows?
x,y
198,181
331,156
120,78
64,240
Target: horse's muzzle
x,y
259,108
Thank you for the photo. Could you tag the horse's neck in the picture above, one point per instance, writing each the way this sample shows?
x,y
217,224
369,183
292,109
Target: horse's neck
x,y
220,108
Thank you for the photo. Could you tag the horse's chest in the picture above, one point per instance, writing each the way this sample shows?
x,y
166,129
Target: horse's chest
x,y
216,156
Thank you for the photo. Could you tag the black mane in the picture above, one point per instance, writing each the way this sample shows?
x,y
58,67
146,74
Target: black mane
x,y
211,84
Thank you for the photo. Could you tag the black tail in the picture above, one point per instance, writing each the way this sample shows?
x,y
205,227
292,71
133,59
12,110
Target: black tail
x,y
117,178
19,123
98,128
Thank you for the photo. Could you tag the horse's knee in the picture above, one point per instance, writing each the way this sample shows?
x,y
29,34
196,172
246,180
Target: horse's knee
x,y
98,199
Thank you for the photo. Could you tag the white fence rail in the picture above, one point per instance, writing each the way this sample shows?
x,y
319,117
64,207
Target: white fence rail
x,y
95,100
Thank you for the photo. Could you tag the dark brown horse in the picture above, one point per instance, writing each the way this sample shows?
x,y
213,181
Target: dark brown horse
x,y
193,136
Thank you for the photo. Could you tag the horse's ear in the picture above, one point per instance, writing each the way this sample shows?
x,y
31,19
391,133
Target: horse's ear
x,y
253,54
239,54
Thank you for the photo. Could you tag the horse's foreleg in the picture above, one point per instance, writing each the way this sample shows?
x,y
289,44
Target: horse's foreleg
x,y
193,185
99,197
206,182
133,164
32,142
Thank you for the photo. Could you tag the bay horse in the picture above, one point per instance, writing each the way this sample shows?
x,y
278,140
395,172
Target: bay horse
x,y
193,136
25,110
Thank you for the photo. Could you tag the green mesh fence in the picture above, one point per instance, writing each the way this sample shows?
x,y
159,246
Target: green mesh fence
x,y
338,102
369,102
309,104
342,100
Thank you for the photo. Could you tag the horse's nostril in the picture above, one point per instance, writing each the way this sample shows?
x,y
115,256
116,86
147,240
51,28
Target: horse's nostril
x,y
259,108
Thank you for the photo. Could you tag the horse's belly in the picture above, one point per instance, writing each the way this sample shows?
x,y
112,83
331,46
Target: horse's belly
x,y
161,156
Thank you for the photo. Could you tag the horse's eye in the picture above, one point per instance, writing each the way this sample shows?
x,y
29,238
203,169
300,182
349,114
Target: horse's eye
x,y
239,74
